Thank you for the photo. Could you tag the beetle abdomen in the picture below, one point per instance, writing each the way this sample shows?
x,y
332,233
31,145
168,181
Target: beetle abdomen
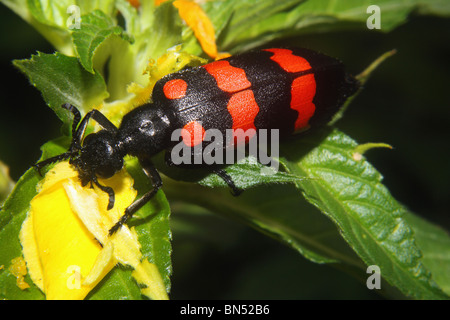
x,y
285,89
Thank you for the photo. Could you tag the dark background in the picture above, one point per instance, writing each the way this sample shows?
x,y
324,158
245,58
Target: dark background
x,y
406,103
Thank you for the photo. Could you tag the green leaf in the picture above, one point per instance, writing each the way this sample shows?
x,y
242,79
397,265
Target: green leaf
x,y
348,191
247,28
246,14
102,45
50,12
12,215
278,211
53,18
434,243
61,79
47,17
351,194
248,174
95,28
50,18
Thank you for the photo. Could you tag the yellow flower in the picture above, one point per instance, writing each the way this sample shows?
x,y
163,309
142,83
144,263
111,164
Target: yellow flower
x,y
65,236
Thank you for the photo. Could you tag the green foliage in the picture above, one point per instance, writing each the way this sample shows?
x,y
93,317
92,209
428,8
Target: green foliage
x,y
61,79
349,217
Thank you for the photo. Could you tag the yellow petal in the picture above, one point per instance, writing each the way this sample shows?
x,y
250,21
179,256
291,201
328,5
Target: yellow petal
x,y
147,274
198,21
222,55
66,249
86,204
105,261
63,230
60,250
30,252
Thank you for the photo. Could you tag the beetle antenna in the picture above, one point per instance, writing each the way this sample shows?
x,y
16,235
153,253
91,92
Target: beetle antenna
x,y
76,116
61,157
73,146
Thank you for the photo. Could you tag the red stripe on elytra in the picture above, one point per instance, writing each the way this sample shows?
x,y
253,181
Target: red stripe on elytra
x,y
288,61
243,109
175,89
193,133
303,90
229,78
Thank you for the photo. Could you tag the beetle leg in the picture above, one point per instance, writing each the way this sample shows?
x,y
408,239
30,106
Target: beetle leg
x,y
106,189
235,191
168,159
154,176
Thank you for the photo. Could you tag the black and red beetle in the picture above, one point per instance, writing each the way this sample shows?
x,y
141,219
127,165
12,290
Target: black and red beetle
x,y
285,89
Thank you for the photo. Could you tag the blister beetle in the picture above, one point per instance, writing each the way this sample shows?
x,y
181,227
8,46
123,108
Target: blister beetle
x,y
285,89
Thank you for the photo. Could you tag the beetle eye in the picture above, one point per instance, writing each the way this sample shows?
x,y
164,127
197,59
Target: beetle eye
x,y
147,127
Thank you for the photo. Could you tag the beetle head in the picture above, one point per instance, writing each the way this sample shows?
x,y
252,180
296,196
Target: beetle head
x,y
98,157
